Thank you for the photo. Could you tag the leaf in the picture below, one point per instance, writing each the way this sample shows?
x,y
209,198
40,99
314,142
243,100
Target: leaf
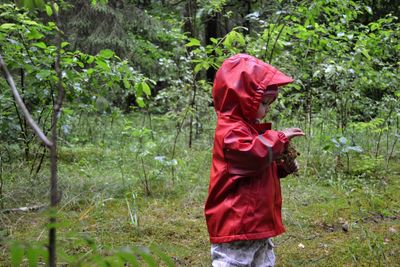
x,y
232,37
49,11
43,74
106,53
39,4
355,148
28,4
213,40
90,59
64,44
33,255
140,102
17,254
56,8
146,88
34,35
198,67
90,71
129,257
102,64
144,253
193,42
127,84
335,142
365,53
167,260
7,26
40,45
342,140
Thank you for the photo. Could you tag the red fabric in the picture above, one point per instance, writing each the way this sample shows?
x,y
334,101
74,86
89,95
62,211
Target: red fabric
x,y
244,201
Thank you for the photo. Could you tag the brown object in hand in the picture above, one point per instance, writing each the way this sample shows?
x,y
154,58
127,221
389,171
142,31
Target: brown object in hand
x,y
289,154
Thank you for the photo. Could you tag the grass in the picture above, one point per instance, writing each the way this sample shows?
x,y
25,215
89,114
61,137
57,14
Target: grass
x,y
332,218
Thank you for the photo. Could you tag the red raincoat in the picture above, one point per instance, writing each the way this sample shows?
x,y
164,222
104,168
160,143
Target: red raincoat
x,y
244,201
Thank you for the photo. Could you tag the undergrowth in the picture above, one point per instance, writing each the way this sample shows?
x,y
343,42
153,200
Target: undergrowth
x,y
121,188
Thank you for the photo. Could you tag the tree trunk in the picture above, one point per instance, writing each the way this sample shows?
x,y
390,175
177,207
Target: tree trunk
x,y
211,31
189,15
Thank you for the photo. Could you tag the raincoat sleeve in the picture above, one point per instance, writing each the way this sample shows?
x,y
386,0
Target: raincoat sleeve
x,y
247,154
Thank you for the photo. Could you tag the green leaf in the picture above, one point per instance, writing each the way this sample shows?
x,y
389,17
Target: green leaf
x,y
90,59
28,4
213,40
146,88
56,8
40,45
33,255
232,37
90,71
34,35
102,64
129,256
67,111
193,42
64,44
140,102
17,254
144,253
43,74
198,67
39,4
167,260
49,11
365,53
106,53
127,84
7,26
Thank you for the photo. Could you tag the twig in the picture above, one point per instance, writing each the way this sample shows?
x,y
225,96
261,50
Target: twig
x,y
25,209
22,106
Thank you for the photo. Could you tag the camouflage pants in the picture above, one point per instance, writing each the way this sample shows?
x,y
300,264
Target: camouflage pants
x,y
249,253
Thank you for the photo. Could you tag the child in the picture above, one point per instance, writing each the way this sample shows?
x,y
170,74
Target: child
x,y
243,208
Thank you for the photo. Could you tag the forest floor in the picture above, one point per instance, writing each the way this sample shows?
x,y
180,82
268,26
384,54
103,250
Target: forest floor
x,y
337,221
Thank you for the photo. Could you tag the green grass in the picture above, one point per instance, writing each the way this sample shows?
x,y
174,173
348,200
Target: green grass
x,y
96,180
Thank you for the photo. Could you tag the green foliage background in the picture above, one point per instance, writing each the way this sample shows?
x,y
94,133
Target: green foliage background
x,y
136,127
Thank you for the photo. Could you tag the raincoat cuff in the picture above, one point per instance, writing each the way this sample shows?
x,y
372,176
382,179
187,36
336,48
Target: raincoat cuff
x,y
282,137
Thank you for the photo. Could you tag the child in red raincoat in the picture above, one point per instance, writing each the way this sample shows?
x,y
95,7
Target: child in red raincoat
x,y
243,208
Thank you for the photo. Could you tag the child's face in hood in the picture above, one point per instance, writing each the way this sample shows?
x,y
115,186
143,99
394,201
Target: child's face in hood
x,y
240,85
264,106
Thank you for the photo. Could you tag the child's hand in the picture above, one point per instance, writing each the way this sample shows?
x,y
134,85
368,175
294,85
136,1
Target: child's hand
x,y
292,132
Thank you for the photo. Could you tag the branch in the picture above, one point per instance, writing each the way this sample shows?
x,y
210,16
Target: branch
x,y
22,106
25,209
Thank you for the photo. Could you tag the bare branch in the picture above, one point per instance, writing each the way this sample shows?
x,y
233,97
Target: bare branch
x,y
22,106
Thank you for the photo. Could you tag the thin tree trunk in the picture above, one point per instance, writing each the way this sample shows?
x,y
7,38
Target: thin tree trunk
x,y
1,182
54,194
192,105
189,14
211,32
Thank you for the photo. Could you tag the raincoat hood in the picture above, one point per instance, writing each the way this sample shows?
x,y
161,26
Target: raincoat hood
x,y
240,83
